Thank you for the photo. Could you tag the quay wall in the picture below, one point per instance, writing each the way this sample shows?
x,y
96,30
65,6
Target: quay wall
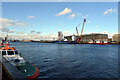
x,y
10,72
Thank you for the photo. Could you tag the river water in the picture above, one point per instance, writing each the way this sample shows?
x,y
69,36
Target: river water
x,y
71,60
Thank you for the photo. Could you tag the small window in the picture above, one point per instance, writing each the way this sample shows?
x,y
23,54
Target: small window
x,y
10,52
3,52
16,52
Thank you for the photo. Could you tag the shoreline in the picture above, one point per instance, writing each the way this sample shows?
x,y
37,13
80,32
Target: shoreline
x,y
63,43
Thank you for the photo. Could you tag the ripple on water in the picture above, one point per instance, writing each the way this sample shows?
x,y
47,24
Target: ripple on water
x,y
72,61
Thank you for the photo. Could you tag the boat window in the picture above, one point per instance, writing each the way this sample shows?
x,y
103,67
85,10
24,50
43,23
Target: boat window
x,y
16,52
10,52
9,49
3,52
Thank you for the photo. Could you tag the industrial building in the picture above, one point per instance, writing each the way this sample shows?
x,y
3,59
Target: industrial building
x,y
88,37
60,36
116,38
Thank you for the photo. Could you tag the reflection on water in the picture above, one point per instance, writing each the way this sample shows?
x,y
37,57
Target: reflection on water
x,y
71,61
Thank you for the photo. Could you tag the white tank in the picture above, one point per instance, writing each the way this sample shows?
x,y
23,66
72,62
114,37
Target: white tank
x,y
73,37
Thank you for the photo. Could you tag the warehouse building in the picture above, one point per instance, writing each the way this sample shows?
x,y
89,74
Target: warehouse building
x,y
89,37
116,38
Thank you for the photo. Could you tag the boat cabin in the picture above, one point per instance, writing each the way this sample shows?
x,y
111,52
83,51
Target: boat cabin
x,y
9,52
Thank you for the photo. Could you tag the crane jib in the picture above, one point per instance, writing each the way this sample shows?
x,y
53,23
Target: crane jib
x,y
79,38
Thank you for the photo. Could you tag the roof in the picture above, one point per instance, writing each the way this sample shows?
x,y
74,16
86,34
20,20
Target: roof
x,y
7,48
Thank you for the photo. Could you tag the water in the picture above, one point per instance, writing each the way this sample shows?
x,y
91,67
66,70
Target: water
x,y
71,61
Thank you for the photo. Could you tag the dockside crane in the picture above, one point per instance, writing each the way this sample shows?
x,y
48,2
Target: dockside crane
x,y
79,37
77,31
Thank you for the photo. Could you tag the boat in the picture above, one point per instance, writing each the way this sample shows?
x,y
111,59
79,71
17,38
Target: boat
x,y
98,42
61,40
64,42
91,42
102,42
11,54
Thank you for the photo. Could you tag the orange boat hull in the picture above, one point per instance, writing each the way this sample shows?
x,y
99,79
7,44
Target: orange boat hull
x,y
34,75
